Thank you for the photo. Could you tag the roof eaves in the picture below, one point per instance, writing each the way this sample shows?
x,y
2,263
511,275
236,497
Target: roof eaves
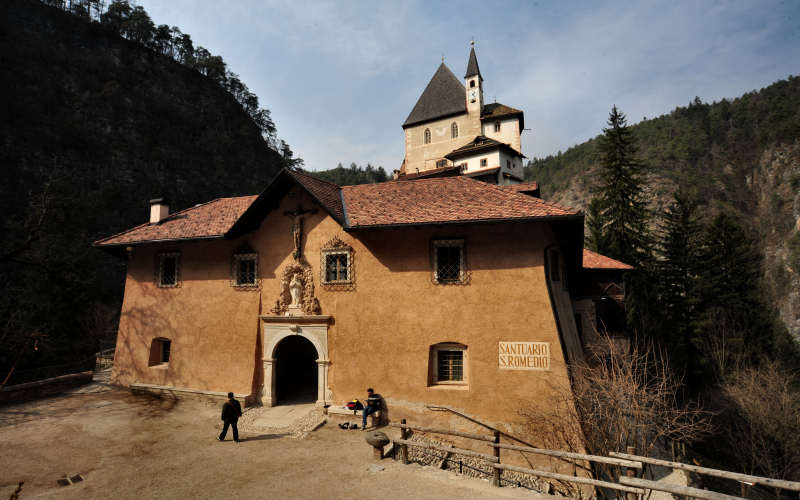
x,y
432,119
164,240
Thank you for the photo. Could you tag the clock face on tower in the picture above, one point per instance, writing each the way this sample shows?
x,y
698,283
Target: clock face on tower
x,y
473,95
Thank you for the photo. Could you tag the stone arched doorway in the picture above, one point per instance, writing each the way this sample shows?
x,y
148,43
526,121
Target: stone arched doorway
x,y
301,334
295,368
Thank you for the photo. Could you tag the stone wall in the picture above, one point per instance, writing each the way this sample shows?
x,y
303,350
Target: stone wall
x,y
43,388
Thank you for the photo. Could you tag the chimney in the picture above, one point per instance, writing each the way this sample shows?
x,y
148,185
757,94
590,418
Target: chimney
x,y
159,210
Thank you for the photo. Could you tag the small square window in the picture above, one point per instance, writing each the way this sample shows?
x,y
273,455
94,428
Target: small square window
x,y
337,267
447,365
441,163
448,262
484,162
245,269
167,273
450,366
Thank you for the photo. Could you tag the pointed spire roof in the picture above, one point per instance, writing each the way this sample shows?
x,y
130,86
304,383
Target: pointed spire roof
x,y
472,65
444,96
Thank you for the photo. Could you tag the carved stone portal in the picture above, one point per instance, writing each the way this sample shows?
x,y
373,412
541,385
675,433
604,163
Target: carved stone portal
x,y
297,292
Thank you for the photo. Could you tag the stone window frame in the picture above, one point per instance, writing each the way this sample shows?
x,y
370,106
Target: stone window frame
x,y
464,275
426,139
454,130
245,253
160,352
337,247
434,361
159,269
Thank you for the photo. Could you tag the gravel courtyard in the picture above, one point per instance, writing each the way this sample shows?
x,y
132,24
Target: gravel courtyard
x,y
128,446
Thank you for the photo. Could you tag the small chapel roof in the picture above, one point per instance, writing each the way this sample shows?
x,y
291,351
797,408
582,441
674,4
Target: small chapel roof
x,y
495,110
444,96
478,144
396,203
593,260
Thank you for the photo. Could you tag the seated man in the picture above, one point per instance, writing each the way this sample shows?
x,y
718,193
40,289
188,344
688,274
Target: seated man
x,y
374,404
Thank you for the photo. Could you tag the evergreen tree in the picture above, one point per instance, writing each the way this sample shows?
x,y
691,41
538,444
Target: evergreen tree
x,y
620,200
677,270
619,217
594,226
731,312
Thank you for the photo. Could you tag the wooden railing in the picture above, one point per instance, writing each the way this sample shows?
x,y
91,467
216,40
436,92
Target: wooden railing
x,y
629,463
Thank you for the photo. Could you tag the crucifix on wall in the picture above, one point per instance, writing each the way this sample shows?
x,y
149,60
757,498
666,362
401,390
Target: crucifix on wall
x,y
297,228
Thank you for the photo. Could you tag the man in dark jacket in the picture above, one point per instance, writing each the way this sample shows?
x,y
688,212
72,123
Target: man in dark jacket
x,y
231,411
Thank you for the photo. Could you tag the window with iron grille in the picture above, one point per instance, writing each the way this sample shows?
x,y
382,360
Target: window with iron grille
x,y
244,269
447,365
337,266
167,272
448,262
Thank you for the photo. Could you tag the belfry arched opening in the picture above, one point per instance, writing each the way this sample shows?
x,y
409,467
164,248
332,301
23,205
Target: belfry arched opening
x,y
295,371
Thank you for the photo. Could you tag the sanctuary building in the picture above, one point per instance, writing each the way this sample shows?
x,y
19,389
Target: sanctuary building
x,y
439,289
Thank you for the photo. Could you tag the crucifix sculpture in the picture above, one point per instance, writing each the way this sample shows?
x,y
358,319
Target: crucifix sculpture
x,y
297,228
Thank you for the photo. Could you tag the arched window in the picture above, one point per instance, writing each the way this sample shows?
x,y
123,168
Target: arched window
x,y
427,136
454,130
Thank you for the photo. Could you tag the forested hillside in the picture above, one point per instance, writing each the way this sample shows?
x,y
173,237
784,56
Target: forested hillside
x,y
352,175
93,126
739,156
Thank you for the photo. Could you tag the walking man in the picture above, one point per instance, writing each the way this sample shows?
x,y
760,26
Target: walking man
x,y
231,411
373,405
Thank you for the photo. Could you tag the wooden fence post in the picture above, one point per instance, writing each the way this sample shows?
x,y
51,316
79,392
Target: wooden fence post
x,y
497,472
630,471
404,436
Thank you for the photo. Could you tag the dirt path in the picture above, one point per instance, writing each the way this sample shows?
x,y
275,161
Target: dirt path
x,y
129,446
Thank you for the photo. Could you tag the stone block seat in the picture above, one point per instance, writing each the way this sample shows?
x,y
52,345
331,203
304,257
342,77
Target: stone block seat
x,y
375,419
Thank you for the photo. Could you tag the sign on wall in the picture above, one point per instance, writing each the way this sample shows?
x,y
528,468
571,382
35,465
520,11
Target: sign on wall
x,y
524,355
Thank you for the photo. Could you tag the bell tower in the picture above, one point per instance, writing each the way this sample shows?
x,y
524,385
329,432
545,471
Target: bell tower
x,y
473,81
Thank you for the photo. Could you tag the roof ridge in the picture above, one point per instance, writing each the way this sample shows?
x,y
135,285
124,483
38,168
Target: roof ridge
x,y
290,172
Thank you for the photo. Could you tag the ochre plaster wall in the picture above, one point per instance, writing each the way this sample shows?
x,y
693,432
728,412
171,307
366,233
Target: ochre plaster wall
x,y
382,330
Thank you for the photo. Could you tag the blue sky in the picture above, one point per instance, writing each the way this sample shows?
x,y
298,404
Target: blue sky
x,y
340,77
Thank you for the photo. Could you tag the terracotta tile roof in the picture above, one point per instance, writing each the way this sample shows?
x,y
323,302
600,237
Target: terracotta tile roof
x,y
209,220
445,95
444,200
593,260
422,201
326,193
434,172
478,144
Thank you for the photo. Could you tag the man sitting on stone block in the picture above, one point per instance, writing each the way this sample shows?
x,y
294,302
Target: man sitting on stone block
x,y
373,404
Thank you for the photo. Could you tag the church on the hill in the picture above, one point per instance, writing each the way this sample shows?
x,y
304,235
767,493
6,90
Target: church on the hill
x,y
451,131
452,285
